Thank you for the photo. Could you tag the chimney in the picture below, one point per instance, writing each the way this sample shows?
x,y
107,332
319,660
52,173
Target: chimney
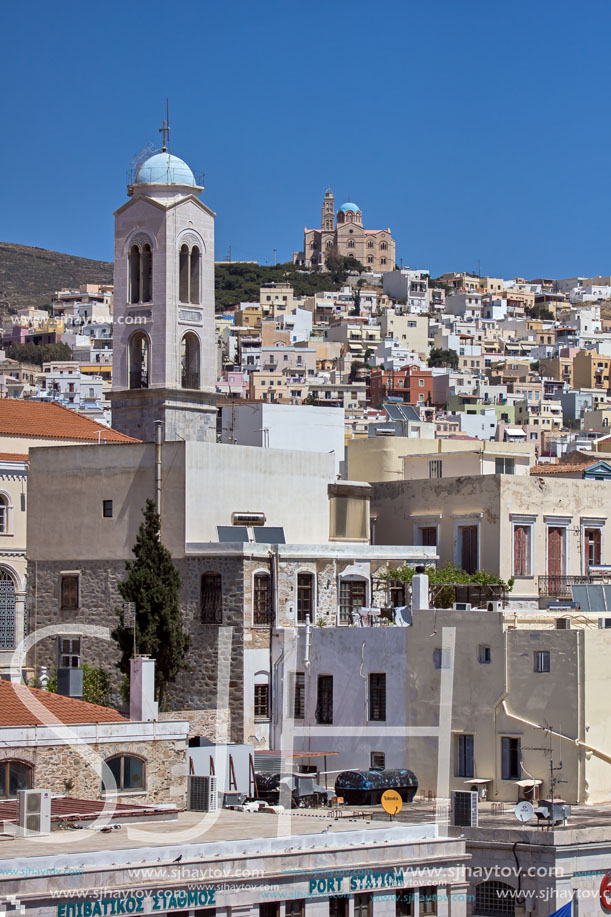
x,y
420,590
142,704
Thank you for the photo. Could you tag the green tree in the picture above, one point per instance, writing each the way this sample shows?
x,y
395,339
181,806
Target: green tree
x,y
356,299
440,357
38,353
153,583
334,263
449,575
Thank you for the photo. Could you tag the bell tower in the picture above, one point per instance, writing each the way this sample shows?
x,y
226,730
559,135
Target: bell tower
x,y
327,220
164,354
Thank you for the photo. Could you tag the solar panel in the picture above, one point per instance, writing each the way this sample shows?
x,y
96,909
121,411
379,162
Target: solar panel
x,y
229,533
607,590
269,534
580,595
597,598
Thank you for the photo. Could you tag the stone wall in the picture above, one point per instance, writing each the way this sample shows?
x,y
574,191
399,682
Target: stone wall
x,y
212,724
55,765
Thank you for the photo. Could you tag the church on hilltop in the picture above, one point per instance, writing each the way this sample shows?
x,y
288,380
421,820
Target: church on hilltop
x,y
374,248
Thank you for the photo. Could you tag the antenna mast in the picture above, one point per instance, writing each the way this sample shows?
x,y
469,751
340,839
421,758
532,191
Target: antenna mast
x,y
165,128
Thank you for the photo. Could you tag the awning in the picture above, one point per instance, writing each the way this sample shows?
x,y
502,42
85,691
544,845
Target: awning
x,y
475,780
533,782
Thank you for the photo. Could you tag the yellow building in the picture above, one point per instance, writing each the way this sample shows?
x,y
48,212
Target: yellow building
x,y
591,370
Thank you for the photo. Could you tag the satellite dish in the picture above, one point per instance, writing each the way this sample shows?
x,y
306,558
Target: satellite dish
x,y
524,811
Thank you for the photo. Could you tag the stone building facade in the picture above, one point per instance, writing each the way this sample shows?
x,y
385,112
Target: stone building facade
x,y
374,248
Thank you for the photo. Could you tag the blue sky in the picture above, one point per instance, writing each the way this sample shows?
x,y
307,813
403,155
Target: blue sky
x,y
475,130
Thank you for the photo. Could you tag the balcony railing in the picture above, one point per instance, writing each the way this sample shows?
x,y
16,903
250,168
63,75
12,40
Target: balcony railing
x,y
190,380
559,587
138,378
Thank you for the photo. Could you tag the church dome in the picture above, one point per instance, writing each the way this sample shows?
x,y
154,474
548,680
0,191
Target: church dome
x,y
164,169
350,206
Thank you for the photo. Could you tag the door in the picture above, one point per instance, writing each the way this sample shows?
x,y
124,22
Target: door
x,y
468,548
555,551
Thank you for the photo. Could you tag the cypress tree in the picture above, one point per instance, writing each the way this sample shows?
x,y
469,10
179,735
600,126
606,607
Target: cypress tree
x,y
153,583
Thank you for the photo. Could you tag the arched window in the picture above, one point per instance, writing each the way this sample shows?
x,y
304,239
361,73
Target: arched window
x,y
262,599
494,899
139,360
329,243
194,285
7,610
128,773
351,243
189,361
370,244
14,775
211,600
312,244
189,264
383,246
369,259
140,273
5,507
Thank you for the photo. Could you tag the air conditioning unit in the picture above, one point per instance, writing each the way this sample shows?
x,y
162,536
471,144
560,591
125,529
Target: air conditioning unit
x,y
202,794
494,605
34,812
603,623
248,518
461,606
464,809
563,623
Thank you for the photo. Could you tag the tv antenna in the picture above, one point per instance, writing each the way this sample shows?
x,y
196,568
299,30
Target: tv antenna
x,y
164,130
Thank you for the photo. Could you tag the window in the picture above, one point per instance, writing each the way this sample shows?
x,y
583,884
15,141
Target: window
x,y
140,273
421,383
556,550
377,696
592,546
351,243
468,548
464,756
69,652
428,536
294,907
370,244
211,599
14,775
305,596
299,696
382,260
262,605
522,541
541,661
396,593
441,659
383,246
510,758
189,361
188,274
107,509
69,592
262,702
377,760
504,466
435,468
484,655
428,900
338,907
363,906
324,700
4,507
352,596
138,353
494,899
128,773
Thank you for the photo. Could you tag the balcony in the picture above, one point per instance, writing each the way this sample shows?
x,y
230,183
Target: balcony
x,y
559,587
138,378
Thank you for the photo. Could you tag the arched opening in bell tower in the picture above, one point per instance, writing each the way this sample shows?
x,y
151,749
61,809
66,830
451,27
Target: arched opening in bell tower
x,y
189,266
189,361
139,360
140,273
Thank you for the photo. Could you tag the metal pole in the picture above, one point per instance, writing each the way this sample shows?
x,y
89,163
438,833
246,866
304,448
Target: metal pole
x,y
158,425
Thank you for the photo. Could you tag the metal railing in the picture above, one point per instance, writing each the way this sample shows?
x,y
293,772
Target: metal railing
x,y
560,586
138,378
190,380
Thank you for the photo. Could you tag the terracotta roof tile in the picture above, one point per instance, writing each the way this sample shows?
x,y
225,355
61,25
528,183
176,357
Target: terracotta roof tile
x,y
15,702
53,421
560,468
13,457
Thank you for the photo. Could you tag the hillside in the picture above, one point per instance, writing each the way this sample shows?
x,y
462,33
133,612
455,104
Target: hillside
x,y
30,276
237,282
